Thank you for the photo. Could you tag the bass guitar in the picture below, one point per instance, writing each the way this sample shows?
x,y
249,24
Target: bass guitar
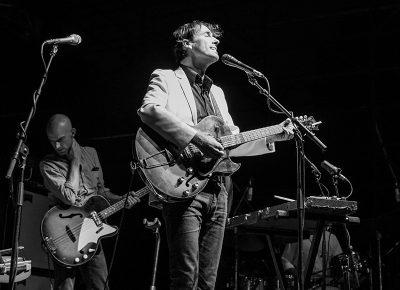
x,y
179,175
71,234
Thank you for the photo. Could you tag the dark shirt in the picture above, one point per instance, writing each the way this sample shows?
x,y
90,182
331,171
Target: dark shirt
x,y
201,92
201,88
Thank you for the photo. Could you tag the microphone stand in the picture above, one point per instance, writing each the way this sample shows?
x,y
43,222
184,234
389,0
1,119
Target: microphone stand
x,y
300,170
317,175
20,155
244,198
346,268
335,184
236,234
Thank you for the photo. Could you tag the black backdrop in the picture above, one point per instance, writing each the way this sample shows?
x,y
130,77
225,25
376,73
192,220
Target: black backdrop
x,y
338,61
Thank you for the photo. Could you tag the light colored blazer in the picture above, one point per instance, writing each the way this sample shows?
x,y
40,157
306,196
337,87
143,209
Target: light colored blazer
x,y
169,108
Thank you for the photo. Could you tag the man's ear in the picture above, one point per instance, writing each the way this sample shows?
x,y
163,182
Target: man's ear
x,y
73,131
186,44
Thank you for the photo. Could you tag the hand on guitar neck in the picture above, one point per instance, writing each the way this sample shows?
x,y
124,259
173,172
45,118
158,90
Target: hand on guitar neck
x,y
113,198
132,200
286,134
208,145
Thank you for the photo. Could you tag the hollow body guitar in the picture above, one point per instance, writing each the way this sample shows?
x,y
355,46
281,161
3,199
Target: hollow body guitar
x,y
180,175
72,234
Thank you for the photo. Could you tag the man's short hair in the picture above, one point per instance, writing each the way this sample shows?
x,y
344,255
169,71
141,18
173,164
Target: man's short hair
x,y
187,31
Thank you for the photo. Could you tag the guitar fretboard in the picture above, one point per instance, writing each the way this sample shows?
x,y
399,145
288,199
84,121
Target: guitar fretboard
x,y
120,204
237,139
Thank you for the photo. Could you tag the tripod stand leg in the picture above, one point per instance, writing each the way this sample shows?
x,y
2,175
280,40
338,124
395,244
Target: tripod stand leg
x,y
154,226
153,279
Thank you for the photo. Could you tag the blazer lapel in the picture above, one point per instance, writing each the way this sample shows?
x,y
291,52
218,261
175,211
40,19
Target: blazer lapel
x,y
187,91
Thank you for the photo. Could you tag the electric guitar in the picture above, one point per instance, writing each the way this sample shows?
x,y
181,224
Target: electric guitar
x,y
71,234
179,175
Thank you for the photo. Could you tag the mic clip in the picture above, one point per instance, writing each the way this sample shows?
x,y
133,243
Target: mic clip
x,y
254,73
316,173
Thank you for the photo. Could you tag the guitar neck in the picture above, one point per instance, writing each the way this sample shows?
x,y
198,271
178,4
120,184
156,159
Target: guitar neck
x,y
120,204
241,138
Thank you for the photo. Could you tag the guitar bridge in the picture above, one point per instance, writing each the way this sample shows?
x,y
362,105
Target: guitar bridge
x,y
50,244
96,219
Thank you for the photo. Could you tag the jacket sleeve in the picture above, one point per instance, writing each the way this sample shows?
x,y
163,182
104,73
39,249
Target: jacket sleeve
x,y
253,148
154,114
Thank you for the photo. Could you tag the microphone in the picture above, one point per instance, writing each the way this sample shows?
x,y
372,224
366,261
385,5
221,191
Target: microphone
x,y
231,61
332,169
249,194
73,39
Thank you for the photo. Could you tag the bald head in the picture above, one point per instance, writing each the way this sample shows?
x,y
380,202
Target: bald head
x,y
57,122
60,133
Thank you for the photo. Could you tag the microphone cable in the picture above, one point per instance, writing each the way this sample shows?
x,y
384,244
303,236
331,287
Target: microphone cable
x,y
119,231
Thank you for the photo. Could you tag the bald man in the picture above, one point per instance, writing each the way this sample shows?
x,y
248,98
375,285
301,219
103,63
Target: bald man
x,y
73,174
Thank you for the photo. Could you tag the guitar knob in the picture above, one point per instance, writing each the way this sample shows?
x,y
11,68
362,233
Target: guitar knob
x,y
85,256
185,193
189,171
180,180
195,186
77,260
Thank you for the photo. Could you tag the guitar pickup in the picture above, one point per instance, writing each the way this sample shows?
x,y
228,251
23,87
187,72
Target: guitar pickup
x,y
170,160
70,234
99,230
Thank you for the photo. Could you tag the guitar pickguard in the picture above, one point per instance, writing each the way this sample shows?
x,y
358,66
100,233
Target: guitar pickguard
x,y
91,233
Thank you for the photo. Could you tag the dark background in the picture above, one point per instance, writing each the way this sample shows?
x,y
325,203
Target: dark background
x,y
336,60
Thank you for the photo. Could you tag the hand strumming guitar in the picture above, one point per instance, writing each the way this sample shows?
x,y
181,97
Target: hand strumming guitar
x,y
208,145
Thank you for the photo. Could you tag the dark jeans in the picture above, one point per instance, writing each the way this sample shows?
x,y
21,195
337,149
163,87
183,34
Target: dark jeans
x,y
195,232
93,273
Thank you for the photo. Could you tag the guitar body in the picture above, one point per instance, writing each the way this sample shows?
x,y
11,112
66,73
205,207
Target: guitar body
x,y
175,175
71,234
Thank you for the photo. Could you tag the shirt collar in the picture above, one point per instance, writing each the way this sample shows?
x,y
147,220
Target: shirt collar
x,y
194,78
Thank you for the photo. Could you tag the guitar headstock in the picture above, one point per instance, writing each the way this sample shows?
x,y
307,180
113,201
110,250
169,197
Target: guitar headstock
x,y
309,122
